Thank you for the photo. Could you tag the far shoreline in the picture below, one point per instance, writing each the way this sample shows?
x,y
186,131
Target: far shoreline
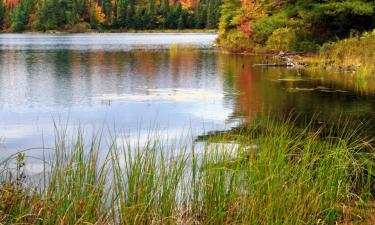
x,y
93,31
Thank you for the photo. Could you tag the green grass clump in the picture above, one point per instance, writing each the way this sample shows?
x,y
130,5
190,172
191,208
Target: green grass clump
x,y
269,173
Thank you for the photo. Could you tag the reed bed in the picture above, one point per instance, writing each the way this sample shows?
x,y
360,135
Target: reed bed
x,y
351,54
269,173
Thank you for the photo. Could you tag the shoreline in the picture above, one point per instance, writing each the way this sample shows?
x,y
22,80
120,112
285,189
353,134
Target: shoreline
x,y
306,60
213,31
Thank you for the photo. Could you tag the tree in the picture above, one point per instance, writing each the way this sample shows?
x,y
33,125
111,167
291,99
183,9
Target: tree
x,y
20,16
128,14
2,14
107,10
130,21
97,17
211,18
52,14
122,8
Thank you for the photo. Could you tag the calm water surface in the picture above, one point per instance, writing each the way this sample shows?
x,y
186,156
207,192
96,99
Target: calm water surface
x,y
133,84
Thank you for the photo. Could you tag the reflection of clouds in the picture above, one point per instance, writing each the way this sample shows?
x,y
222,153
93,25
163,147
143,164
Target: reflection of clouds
x,y
45,80
213,114
175,86
167,94
16,131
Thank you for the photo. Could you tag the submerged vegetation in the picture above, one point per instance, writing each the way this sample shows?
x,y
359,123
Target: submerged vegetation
x,y
270,173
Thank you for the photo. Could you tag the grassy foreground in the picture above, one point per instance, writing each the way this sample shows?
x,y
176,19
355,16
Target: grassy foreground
x,y
270,173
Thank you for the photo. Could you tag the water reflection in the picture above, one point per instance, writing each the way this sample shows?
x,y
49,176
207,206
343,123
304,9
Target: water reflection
x,y
173,83
175,87
306,93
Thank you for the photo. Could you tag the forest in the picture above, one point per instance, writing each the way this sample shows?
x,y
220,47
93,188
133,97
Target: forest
x,y
270,25
292,25
336,34
80,15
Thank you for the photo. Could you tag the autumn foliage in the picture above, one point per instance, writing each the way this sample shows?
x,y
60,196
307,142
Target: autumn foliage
x,y
300,25
19,15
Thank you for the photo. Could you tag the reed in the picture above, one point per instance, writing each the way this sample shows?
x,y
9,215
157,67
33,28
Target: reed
x,y
352,54
269,173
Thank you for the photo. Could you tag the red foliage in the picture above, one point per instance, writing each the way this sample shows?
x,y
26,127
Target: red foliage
x,y
11,2
252,14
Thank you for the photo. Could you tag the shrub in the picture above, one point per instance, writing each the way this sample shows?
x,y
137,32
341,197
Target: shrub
x,y
350,53
79,28
283,39
264,27
236,41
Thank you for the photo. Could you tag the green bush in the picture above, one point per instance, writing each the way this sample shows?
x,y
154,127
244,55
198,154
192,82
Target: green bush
x,y
283,39
266,26
236,41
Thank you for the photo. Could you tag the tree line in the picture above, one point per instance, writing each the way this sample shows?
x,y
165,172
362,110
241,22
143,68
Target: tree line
x,y
42,15
292,25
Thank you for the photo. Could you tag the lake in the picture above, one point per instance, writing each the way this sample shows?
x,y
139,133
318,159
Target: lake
x,y
137,84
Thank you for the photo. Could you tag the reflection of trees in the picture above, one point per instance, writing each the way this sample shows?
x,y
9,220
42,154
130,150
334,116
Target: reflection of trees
x,y
182,61
274,91
239,77
71,77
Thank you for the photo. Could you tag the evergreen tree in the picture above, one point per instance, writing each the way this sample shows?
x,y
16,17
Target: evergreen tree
x,y
20,16
124,14
152,13
52,15
180,17
201,15
2,14
130,21
107,10
122,9
211,23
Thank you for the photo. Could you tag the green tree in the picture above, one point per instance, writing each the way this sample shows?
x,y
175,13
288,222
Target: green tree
x,y
20,16
131,14
53,14
2,14
201,15
122,9
107,9
211,17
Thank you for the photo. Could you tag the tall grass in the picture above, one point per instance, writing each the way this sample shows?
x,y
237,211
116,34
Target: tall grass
x,y
355,53
270,173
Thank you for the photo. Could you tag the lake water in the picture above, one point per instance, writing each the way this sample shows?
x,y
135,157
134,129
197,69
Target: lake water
x,y
134,84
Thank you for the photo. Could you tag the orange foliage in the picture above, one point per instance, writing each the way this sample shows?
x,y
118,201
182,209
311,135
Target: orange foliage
x,y
11,2
98,13
187,4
